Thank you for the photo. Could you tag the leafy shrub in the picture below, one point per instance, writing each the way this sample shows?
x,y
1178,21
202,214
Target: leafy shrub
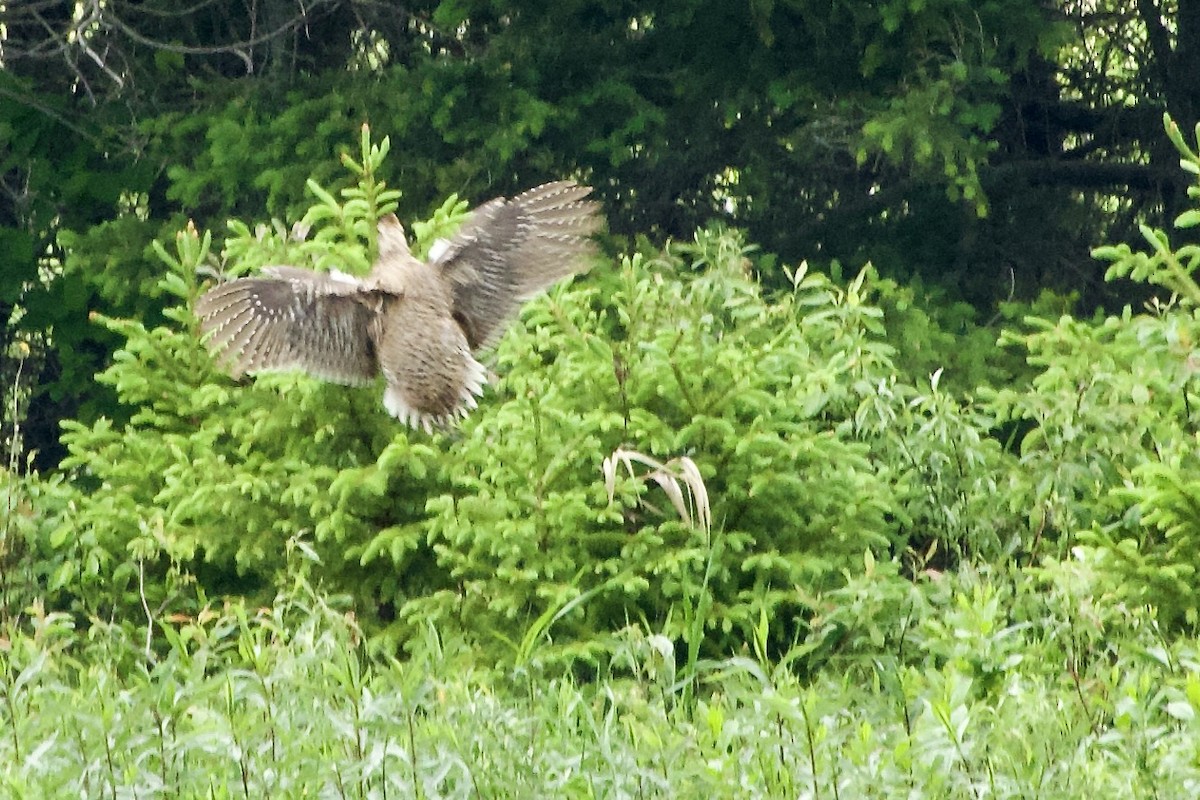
x,y
812,448
1104,402
200,470
1110,426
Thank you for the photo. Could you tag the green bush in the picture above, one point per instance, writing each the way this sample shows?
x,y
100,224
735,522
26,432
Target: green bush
x,y
1108,428
1105,400
788,550
810,448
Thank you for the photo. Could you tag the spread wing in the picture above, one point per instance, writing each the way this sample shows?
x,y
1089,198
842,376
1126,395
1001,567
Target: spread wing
x,y
509,250
291,318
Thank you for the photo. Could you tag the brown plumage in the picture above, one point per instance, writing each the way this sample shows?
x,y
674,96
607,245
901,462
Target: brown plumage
x,y
415,322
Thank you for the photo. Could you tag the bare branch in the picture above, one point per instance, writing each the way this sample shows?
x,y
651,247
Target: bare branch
x,y
104,33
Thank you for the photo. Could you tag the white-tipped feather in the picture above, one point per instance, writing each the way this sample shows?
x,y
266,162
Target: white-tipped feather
x,y
438,249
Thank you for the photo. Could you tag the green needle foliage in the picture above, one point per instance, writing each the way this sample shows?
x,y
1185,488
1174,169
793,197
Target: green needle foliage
x,y
1152,553
786,406
701,538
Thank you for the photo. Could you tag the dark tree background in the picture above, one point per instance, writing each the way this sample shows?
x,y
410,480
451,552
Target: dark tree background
x,y
983,146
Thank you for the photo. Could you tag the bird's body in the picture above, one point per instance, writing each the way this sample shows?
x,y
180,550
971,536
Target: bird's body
x,y
418,323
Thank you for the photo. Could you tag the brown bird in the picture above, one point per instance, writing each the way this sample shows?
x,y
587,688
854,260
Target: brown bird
x,y
416,322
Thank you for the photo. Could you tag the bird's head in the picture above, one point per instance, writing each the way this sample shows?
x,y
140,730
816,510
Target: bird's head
x,y
392,242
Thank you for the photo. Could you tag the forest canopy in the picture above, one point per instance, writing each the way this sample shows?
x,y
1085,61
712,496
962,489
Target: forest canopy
x,y
983,148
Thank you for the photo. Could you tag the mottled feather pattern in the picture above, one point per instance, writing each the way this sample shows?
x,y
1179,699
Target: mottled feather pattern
x,y
509,250
263,324
416,323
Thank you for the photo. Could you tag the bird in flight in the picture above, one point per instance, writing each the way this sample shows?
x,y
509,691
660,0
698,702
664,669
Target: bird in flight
x,y
418,323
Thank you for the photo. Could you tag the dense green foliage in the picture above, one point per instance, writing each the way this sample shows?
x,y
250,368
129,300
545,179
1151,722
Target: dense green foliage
x,y
983,146
726,522
992,692
776,558
789,402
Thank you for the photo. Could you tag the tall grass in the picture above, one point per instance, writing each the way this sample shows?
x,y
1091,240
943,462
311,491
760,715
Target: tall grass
x,y
289,701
